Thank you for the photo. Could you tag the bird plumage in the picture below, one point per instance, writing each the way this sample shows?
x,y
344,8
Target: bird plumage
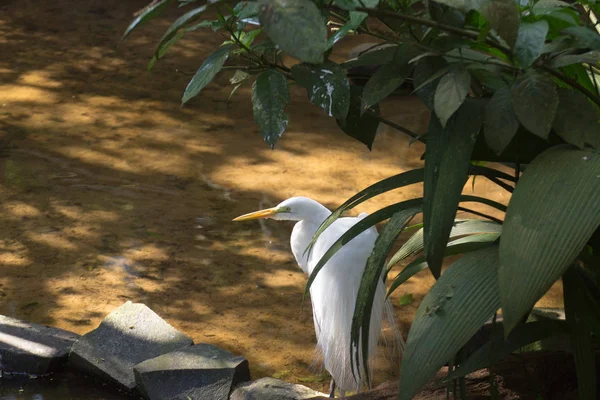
x,y
335,288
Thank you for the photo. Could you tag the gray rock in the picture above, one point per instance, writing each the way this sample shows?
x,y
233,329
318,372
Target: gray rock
x,y
129,335
202,371
31,348
273,389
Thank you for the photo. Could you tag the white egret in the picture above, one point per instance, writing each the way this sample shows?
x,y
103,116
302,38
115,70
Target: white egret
x,y
333,292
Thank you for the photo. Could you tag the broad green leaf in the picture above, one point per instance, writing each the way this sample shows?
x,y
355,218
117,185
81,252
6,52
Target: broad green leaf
x,y
456,306
270,97
352,4
372,220
425,69
296,26
388,78
553,212
356,18
172,31
503,17
576,120
326,85
459,246
495,350
362,225
379,56
147,14
544,7
162,50
371,279
591,57
446,170
530,42
587,37
405,179
581,340
207,71
501,124
362,127
416,244
535,100
451,93
246,10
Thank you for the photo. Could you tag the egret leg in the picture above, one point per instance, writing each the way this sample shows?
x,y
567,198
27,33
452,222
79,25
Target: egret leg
x,y
332,389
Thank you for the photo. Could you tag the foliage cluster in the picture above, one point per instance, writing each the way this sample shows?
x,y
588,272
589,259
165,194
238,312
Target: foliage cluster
x,y
507,81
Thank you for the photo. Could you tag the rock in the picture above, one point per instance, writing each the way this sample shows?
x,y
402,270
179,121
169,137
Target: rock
x,y
273,389
202,371
31,348
129,335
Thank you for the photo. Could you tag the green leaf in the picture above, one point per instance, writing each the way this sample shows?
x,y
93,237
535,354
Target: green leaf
x,y
352,4
147,14
576,120
544,7
581,340
425,87
535,100
457,305
459,246
501,123
388,78
371,220
370,283
207,71
246,10
356,18
326,85
591,57
172,31
530,42
270,97
296,26
405,300
162,50
495,350
362,225
394,182
451,93
378,56
416,243
405,179
446,170
553,212
587,37
503,17
362,127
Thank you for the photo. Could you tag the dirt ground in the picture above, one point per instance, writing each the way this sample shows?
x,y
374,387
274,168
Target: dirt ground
x,y
110,191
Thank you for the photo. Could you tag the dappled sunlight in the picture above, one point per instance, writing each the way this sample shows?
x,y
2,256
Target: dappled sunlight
x,y
52,239
19,210
111,191
41,79
24,94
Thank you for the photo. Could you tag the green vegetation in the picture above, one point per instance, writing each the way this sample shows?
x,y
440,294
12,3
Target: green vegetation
x,y
509,82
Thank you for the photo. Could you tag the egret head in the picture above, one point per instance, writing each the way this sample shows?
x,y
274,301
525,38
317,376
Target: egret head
x,y
292,209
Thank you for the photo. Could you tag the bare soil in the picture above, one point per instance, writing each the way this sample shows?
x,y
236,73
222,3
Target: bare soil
x,y
110,191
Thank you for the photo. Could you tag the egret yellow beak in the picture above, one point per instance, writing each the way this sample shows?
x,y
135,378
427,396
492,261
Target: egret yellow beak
x,y
269,212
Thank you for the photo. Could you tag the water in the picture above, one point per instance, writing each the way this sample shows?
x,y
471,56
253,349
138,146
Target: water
x,y
65,386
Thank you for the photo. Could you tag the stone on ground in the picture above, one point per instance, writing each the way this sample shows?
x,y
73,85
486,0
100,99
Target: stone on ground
x,y
198,372
129,335
273,389
31,348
